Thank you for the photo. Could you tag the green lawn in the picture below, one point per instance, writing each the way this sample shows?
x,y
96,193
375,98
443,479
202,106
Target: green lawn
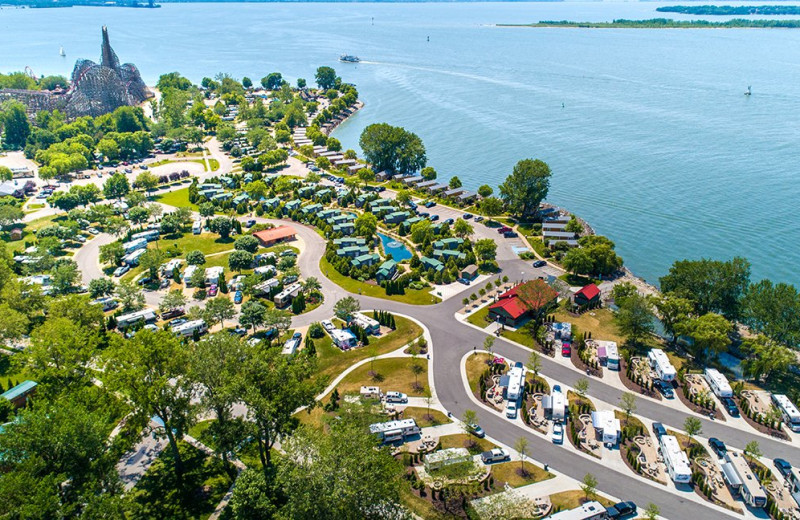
x,y
28,229
420,415
333,361
463,440
600,322
475,366
206,243
510,473
178,198
478,317
411,296
565,500
393,375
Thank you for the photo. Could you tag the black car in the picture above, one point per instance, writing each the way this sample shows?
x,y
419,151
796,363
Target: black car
x,y
784,468
510,234
730,406
665,388
449,221
621,510
539,263
659,429
717,446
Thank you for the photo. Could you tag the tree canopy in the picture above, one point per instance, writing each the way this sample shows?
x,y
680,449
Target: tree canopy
x,y
392,148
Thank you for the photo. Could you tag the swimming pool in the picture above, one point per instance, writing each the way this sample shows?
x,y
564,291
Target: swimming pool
x,y
398,250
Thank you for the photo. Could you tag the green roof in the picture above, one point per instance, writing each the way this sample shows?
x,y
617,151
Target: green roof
x,y
21,389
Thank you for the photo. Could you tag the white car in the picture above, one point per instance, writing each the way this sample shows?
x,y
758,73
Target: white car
x,y
396,397
511,410
119,271
327,325
495,455
558,433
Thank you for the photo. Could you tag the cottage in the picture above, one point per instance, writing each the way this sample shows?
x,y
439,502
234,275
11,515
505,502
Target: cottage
x,y
323,194
588,295
15,234
410,222
425,185
554,226
270,237
241,198
467,196
349,241
447,254
448,243
272,203
469,273
558,235
431,263
365,260
386,271
552,243
382,176
311,209
395,217
352,251
413,180
292,205
511,309
436,188
453,192
347,228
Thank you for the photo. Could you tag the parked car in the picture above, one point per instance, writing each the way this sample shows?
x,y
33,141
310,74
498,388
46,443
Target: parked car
x,y
467,216
164,283
511,410
288,252
556,388
237,297
172,313
93,231
290,279
659,429
213,290
717,446
430,204
503,229
464,281
539,263
396,397
730,406
239,331
449,221
327,325
424,214
510,234
558,433
784,468
434,218
178,321
297,335
477,431
119,271
495,455
566,349
250,223
621,510
665,388
479,219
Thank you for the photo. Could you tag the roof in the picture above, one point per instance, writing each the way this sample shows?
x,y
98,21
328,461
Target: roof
x,y
589,292
19,390
548,292
277,233
512,306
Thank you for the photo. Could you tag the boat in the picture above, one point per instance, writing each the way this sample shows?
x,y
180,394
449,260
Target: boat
x,y
347,58
61,52
749,91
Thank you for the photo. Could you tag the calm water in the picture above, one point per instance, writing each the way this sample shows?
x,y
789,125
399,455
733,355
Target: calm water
x,y
656,145
398,250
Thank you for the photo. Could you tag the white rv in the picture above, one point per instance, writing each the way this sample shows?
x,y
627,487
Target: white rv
x,y
589,511
146,315
189,328
741,478
659,362
718,383
133,245
675,459
395,430
516,383
789,411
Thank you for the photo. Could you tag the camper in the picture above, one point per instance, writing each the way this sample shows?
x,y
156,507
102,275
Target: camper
x,y
395,430
213,274
606,423
189,272
740,478
108,304
132,259
197,227
659,362
285,297
133,245
612,353
291,345
266,286
589,511
718,383
146,315
168,269
555,406
370,325
344,339
148,236
675,459
789,411
190,327
516,383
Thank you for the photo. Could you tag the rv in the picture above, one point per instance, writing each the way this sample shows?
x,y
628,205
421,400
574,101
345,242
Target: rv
x,y
285,297
190,327
718,383
370,325
197,227
789,411
675,459
266,286
612,353
395,430
589,511
555,406
146,315
189,272
516,383
291,345
344,339
133,245
108,304
740,478
132,259
213,274
169,268
148,235
659,362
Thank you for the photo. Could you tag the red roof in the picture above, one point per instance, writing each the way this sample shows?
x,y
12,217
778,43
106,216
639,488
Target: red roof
x,y
512,306
589,292
277,233
510,301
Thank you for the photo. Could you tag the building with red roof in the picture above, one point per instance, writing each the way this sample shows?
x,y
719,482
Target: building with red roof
x,y
270,237
511,307
588,295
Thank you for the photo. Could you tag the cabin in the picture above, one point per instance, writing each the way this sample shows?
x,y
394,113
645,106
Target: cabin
x,y
292,205
436,188
469,273
587,295
365,260
413,180
431,263
276,235
352,251
510,309
395,217
386,271
448,243
466,196
349,241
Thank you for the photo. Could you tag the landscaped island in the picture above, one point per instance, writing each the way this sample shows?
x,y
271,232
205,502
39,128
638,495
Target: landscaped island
x,y
666,23
731,10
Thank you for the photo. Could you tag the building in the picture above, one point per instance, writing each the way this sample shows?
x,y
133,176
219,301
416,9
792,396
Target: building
x,y
467,196
276,235
392,431
365,260
285,297
448,243
741,479
660,364
18,395
436,188
511,308
469,273
349,241
425,184
446,254
352,251
675,459
386,271
555,406
588,295
446,457
431,263
412,181
589,511
146,315
789,411
370,325
344,339
607,426
453,192
395,217
718,383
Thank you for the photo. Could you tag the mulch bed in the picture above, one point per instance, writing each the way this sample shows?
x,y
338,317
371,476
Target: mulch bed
x,y
583,367
778,434
623,451
697,408
630,385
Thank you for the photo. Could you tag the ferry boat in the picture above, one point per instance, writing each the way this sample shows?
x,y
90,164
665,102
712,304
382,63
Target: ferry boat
x,y
349,59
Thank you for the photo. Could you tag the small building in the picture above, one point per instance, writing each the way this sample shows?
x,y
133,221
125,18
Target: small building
x,y
446,457
413,180
470,272
311,209
352,251
272,203
349,241
145,315
432,263
607,426
370,325
466,196
553,226
426,184
386,271
446,254
395,217
555,406
18,395
453,192
589,511
265,270
276,235
347,228
292,205
169,268
588,295
511,309
133,245
133,257
197,227
15,234
343,338
365,260
436,188
448,243
607,353
266,286
558,235
392,431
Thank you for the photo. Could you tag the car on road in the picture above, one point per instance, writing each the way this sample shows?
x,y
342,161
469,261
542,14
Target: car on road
x,y
659,430
621,510
495,455
665,388
396,397
449,221
430,204
566,349
213,290
467,216
539,263
479,219
177,321
250,223
119,271
172,313
510,234
237,297
558,433
503,229
463,281
511,410
434,218
476,430
717,446
730,406
784,468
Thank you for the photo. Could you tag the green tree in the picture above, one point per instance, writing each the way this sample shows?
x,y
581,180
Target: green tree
x,y
692,426
627,402
652,511
366,225
469,419
239,260
60,355
428,173
272,81
635,318
151,260
673,310
485,249
753,450
455,182
146,181
526,187
521,447
392,148
247,243
64,276
534,363
366,175
130,295
252,314
485,190
578,261
254,496
422,231
112,253
574,226
589,486
325,78
712,285
195,258
346,307
773,309
5,173
9,214
174,299
765,358
582,387
218,310
16,127
222,226
462,228
100,287
709,333
206,209
491,206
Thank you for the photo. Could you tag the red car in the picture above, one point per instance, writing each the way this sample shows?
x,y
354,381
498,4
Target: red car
x,y
503,229
212,291
566,349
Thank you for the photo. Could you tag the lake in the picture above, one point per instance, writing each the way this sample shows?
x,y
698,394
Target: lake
x,y
655,143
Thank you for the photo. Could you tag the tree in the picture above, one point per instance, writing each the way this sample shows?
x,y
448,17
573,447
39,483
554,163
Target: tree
x,y
278,320
462,228
366,175
455,182
521,447
253,496
485,249
773,309
150,370
247,82
469,419
221,226
15,124
712,285
247,243
589,486
195,258
392,148
574,226
673,310
130,295
100,287
652,511
138,214
753,450
206,209
239,260
5,173
174,299
534,363
346,307
366,225
526,187
151,260
428,173
491,206
272,81
709,333
627,402
112,253
252,314
60,355
146,181
64,276
692,426
582,387
765,358
635,318
10,214
578,261
485,190
325,78
218,310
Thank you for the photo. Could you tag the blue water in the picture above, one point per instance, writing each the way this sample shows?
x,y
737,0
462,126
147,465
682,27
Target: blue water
x,y
656,146
397,249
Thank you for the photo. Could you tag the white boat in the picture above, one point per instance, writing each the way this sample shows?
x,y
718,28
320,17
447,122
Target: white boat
x,y
61,52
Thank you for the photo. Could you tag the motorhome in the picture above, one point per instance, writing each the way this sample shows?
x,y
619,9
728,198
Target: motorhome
x,y
612,355
107,304
740,478
197,227
190,327
266,286
133,257
168,269
555,406
149,235
516,383
344,339
189,273
133,245
589,511
675,459
370,325
285,297
718,383
395,430
789,411
659,362
146,315
291,345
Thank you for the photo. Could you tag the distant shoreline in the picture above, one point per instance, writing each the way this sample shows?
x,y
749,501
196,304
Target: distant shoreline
x,y
664,23
732,10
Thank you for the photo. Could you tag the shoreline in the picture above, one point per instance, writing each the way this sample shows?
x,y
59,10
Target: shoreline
x,y
660,23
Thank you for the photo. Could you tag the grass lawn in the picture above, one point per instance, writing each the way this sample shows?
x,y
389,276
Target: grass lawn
x,y
601,325
478,318
28,230
178,198
205,482
333,361
577,280
538,246
206,243
420,415
459,440
572,499
411,296
509,472
574,399
520,336
475,366
419,506
394,375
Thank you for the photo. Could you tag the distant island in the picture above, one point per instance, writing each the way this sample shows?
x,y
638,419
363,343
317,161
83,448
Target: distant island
x,y
41,4
731,10
665,23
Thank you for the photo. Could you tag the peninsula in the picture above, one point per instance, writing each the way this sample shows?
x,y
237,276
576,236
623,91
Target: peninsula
x,y
731,10
666,23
